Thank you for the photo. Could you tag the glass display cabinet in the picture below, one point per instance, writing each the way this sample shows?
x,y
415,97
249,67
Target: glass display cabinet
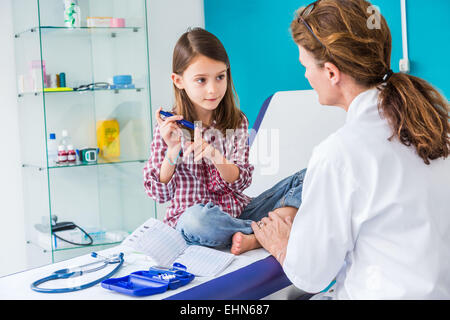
x,y
82,67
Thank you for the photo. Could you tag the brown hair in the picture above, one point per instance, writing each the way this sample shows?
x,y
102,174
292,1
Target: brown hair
x,y
417,113
191,44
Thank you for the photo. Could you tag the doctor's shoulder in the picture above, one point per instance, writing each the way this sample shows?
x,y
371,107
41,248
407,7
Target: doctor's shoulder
x,y
342,149
332,150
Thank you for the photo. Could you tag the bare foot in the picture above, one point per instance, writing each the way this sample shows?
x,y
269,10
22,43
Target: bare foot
x,y
243,242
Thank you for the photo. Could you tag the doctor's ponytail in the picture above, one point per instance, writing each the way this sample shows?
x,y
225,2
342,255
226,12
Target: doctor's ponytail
x,y
418,115
355,37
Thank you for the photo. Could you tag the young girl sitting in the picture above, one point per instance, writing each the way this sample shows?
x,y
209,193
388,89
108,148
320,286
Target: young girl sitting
x,y
204,177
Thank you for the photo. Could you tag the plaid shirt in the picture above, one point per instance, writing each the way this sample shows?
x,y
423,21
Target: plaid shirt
x,y
193,183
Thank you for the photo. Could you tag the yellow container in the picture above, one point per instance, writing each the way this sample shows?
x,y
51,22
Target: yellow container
x,y
108,139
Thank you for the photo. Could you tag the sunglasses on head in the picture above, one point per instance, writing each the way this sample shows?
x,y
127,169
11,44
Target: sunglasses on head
x,y
305,13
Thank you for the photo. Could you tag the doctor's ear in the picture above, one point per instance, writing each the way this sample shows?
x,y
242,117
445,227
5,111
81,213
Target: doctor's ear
x,y
332,72
177,81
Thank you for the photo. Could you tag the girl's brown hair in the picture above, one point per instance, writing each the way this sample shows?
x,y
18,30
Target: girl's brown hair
x,y
344,33
191,44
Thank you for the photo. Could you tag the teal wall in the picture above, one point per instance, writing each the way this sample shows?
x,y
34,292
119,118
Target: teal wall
x,y
264,59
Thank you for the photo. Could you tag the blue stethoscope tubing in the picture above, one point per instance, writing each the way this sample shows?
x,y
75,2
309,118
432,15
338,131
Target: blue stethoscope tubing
x,y
66,273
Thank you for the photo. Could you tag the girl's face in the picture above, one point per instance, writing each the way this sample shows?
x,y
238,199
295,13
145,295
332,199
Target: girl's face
x,y
205,82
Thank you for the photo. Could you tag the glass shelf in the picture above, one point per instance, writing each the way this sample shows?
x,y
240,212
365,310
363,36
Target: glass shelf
x,y
95,244
91,90
99,163
81,164
105,242
78,92
79,30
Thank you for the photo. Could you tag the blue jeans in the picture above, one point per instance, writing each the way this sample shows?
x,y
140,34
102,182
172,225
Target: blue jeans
x,y
208,225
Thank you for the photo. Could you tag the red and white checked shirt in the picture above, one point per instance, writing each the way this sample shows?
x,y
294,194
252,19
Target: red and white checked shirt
x,y
200,182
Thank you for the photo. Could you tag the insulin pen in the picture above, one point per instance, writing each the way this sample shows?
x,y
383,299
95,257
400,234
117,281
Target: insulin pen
x,y
185,123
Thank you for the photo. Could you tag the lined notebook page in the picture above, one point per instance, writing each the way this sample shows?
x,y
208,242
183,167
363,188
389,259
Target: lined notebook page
x,y
203,261
157,240
165,245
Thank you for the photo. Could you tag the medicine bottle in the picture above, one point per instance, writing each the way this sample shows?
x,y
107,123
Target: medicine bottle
x,y
62,154
71,154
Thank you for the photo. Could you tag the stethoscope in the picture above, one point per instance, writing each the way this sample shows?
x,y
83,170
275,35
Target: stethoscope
x,y
78,271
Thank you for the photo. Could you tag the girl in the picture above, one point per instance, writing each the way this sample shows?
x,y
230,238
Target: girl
x,y
374,210
204,177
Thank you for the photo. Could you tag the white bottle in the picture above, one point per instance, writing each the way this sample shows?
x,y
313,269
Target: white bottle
x,y
65,139
52,150
63,147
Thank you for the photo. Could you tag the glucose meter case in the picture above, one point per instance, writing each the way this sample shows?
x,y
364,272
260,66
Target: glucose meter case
x,y
145,283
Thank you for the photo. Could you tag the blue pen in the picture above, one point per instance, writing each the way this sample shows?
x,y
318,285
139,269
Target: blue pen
x,y
185,123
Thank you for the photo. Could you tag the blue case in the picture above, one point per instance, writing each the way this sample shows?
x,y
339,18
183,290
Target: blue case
x,y
122,79
145,283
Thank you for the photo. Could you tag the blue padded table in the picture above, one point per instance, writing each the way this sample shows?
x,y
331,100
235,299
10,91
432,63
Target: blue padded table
x,y
255,281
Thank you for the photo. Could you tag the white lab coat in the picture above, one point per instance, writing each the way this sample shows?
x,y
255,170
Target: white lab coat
x,y
373,215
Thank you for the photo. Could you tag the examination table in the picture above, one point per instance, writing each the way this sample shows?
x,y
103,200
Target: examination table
x,y
289,125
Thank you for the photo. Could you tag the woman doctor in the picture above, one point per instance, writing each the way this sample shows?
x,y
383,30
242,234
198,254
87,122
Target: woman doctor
x,y
375,214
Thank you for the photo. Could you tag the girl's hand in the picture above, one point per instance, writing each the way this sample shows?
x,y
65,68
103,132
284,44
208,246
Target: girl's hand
x,y
170,131
202,149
